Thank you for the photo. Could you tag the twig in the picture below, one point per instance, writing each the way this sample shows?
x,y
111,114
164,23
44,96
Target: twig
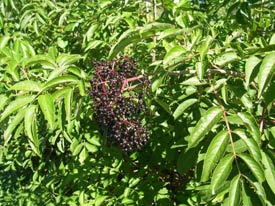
x,y
226,123
210,72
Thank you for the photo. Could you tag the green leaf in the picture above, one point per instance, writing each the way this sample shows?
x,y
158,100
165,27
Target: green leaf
x,y
250,66
90,147
269,171
214,153
3,101
67,59
60,80
252,126
43,60
46,103
187,160
12,125
254,166
18,103
183,106
3,41
266,72
174,56
31,128
131,36
83,155
205,47
205,124
100,199
226,58
27,85
246,199
252,146
221,172
125,39
68,97
77,149
235,191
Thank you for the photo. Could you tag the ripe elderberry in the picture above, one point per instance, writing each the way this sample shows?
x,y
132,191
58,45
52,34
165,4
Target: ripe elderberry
x,y
118,102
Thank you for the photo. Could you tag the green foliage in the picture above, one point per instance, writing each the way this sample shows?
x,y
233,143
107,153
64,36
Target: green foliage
x,y
210,109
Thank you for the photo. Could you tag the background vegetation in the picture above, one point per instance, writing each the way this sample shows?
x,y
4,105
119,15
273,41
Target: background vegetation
x,y
211,105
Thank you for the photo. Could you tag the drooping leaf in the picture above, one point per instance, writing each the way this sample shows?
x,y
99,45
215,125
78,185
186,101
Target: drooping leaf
x,y
214,153
27,85
187,160
3,41
135,35
269,170
173,56
3,101
266,72
60,80
252,146
235,191
250,66
205,124
12,125
46,103
67,59
254,166
252,126
18,103
226,58
31,128
205,47
68,104
183,106
221,172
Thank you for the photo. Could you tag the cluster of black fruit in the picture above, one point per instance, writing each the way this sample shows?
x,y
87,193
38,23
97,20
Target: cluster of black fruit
x,y
118,93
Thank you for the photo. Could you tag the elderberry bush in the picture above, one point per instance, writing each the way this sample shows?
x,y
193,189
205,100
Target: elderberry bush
x,y
117,93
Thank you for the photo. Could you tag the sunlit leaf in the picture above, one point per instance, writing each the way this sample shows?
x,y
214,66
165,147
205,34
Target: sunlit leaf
x,y
266,72
254,166
234,191
269,170
27,85
221,172
252,126
12,125
46,103
18,103
205,124
183,106
214,153
31,128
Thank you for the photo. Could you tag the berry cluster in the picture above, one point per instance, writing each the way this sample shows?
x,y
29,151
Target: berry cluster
x,y
118,102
